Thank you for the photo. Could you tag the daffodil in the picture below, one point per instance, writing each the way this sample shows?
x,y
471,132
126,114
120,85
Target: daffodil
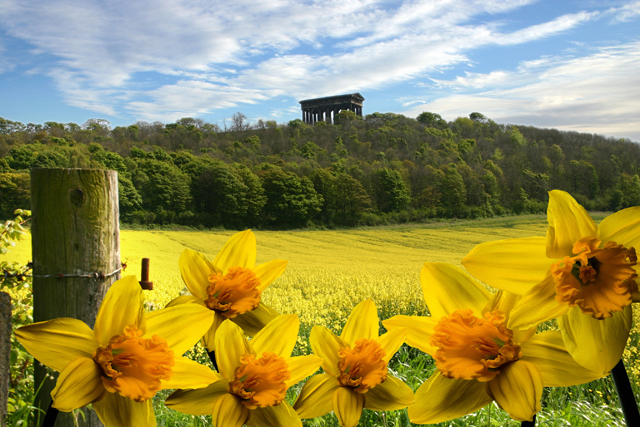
x,y
254,377
120,365
231,286
581,273
479,357
356,374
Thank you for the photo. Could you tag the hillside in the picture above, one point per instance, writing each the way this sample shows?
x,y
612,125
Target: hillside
x,y
387,168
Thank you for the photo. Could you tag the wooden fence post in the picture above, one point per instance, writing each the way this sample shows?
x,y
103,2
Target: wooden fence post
x,y
74,231
5,353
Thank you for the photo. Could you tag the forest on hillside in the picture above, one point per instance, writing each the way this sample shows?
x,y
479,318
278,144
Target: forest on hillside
x,y
385,168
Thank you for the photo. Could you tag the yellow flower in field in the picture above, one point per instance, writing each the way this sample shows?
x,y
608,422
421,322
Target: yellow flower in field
x,y
581,273
125,360
355,365
231,286
254,377
479,356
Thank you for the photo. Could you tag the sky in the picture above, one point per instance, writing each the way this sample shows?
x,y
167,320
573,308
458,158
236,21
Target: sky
x,y
569,65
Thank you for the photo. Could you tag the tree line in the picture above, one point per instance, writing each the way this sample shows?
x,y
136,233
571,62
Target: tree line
x,y
385,168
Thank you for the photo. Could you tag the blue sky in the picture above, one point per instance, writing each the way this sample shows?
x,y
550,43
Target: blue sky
x,y
571,65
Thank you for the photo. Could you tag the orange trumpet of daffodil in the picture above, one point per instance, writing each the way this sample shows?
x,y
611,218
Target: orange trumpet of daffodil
x,y
254,377
120,365
582,273
231,286
478,355
355,366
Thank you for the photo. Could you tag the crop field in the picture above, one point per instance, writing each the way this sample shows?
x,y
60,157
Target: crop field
x,y
329,272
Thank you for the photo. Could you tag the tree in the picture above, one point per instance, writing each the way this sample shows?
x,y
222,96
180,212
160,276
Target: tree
x,y
14,193
164,188
291,201
351,200
391,191
432,120
239,122
453,191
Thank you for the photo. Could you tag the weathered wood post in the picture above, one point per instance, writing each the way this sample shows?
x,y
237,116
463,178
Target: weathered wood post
x,y
75,232
5,351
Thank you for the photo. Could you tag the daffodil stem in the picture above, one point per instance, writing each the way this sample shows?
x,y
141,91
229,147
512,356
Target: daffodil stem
x,y
625,394
529,423
212,356
50,416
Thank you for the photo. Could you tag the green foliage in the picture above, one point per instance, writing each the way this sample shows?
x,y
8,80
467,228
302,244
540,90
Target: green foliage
x,y
15,190
162,166
291,201
432,120
453,191
14,280
390,190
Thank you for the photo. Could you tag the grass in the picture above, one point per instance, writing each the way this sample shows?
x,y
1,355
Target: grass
x,y
329,272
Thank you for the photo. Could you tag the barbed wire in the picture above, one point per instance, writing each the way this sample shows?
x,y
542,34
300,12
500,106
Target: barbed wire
x,y
96,275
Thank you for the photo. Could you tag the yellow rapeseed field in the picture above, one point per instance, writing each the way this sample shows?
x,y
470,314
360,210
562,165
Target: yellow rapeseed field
x,y
329,272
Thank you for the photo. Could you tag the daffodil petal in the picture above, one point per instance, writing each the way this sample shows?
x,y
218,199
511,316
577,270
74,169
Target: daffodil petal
x,y
118,411
362,323
326,345
568,223
78,385
182,326
200,401
301,367
596,344
209,338
389,395
275,416
517,390
442,399
622,227
558,369
195,271
57,342
347,404
240,250
230,345
315,398
537,305
185,299
391,342
513,265
122,305
190,374
269,271
278,336
228,411
447,289
253,321
419,330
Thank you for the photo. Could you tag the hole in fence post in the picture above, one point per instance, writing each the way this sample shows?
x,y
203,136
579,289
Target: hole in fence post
x,y
76,197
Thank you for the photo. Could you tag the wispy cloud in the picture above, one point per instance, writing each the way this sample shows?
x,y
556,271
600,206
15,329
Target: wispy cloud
x,y
224,54
597,93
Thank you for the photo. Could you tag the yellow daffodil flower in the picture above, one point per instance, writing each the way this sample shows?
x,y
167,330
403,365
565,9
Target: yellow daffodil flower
x,y
120,365
478,355
583,274
355,366
231,286
254,377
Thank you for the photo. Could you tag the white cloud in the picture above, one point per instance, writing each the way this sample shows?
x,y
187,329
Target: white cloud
x,y
625,13
216,55
596,93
